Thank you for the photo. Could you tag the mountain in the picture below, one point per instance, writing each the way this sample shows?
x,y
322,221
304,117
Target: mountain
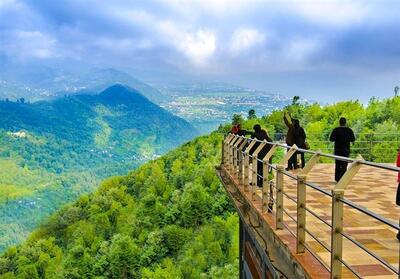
x,y
38,82
60,149
117,109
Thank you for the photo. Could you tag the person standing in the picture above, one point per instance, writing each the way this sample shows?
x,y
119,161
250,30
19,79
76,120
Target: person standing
x,y
290,139
341,136
299,136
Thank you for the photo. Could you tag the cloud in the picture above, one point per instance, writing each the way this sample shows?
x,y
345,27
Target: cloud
x,y
334,13
243,39
215,38
300,50
196,44
198,47
30,44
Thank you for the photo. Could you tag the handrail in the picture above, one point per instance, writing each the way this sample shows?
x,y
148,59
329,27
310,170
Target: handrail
x,y
336,226
331,156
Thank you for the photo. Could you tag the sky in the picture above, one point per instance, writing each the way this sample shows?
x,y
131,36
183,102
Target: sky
x,y
322,50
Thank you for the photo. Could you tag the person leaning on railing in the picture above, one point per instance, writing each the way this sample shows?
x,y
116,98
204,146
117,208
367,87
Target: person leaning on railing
x,y
237,130
398,186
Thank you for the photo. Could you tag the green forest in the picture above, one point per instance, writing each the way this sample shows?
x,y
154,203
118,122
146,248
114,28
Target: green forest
x,y
376,125
171,218
52,152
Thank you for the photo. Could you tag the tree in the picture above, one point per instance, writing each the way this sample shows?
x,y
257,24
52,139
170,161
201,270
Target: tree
x,y
295,100
252,114
237,119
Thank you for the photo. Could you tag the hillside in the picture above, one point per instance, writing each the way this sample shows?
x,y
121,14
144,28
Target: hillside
x,y
170,218
53,151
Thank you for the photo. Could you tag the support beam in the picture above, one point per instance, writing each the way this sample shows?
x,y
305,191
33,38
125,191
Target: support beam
x,y
254,168
311,163
279,196
246,182
241,160
226,149
288,154
267,190
231,164
301,213
336,236
349,174
236,155
265,187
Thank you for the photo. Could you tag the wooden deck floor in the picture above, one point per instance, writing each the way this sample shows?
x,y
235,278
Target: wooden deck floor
x,y
372,188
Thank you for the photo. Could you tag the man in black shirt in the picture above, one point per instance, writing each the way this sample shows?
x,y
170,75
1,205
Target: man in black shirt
x,y
261,135
342,136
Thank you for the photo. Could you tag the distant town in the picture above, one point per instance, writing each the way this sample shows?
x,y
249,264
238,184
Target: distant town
x,y
207,106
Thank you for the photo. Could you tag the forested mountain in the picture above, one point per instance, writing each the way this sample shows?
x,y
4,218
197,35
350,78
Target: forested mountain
x,y
53,151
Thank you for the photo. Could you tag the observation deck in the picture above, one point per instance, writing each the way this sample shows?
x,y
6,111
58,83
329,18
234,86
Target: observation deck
x,y
301,223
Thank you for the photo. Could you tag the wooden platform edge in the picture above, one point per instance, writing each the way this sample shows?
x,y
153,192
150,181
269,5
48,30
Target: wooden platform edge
x,y
281,250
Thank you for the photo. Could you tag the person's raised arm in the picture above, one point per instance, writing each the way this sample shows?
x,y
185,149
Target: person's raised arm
x,y
288,119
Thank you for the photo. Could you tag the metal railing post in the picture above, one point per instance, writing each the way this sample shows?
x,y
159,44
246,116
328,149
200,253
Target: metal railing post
x,y
301,213
336,236
279,197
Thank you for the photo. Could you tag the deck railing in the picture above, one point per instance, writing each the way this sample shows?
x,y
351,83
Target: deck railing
x,y
372,146
241,165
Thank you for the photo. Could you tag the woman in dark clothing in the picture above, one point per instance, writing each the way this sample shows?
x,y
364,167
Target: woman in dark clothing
x,y
299,136
290,139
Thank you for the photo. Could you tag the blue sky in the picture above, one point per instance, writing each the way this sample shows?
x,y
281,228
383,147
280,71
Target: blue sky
x,y
324,50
